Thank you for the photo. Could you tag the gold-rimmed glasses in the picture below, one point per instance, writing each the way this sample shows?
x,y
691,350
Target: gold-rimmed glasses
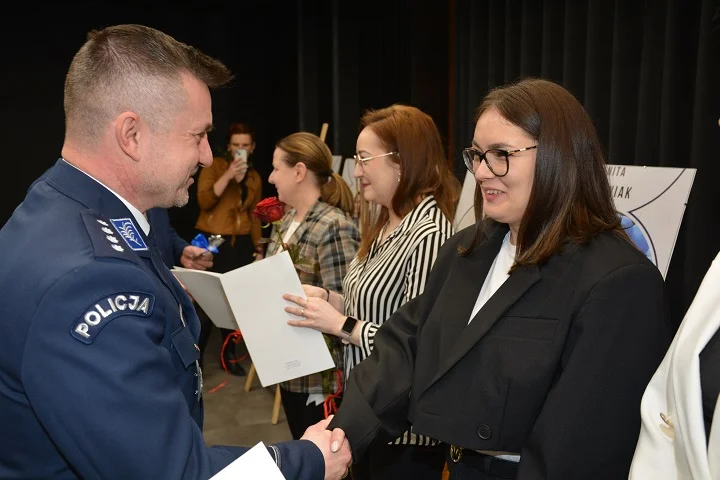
x,y
361,160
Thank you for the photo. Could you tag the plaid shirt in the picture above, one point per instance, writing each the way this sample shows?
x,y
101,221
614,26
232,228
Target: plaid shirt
x,y
328,239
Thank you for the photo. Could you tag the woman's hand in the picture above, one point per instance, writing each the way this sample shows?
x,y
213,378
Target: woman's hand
x,y
319,314
313,291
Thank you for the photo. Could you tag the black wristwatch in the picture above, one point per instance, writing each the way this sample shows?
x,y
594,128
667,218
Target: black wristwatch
x,y
349,325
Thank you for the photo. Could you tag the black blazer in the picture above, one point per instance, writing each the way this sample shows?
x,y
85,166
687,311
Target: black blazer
x,y
553,366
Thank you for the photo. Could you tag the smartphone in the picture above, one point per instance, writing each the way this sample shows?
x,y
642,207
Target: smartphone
x,y
241,154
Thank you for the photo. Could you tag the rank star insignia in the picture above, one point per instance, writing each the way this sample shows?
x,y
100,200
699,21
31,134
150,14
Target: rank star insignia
x,y
107,230
112,239
101,222
118,247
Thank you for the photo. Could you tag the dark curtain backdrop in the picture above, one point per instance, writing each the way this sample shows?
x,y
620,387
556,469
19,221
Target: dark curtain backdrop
x,y
297,64
257,40
648,73
354,56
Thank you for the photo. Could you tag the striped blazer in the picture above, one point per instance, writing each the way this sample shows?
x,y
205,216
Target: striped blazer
x,y
394,272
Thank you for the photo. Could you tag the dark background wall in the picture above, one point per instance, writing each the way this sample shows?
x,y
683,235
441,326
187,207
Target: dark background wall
x,y
257,41
647,71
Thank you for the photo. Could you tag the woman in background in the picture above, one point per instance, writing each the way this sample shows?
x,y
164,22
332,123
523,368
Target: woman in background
x,y
318,224
402,168
227,193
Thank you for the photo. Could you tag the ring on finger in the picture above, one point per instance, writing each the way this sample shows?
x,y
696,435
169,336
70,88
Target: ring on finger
x,y
302,312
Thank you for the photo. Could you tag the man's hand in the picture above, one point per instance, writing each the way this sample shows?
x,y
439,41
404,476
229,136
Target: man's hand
x,y
334,448
196,258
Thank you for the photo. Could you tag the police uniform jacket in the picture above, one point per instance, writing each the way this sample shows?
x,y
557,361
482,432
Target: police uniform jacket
x,y
673,443
169,243
552,367
98,358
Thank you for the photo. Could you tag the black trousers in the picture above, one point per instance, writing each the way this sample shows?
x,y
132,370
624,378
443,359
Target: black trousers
x,y
300,416
231,255
391,462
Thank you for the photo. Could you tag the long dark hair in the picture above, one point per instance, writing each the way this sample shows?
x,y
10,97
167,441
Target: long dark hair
x,y
571,199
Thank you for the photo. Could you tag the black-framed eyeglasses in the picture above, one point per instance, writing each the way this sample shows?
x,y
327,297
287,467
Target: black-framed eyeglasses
x,y
495,159
361,160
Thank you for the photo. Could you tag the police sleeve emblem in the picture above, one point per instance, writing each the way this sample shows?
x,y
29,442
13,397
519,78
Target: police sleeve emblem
x,y
88,326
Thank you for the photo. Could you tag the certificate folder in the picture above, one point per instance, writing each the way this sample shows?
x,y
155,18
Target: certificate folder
x,y
250,299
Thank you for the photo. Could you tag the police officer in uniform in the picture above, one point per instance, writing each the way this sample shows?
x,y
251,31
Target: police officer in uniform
x,y
98,358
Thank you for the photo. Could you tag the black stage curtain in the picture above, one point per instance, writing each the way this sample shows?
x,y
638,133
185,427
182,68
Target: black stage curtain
x,y
354,56
648,72
256,40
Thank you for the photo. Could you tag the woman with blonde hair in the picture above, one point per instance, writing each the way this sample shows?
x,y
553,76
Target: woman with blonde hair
x,y
402,169
319,225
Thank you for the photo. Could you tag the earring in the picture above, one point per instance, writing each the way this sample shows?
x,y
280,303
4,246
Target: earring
x,y
398,178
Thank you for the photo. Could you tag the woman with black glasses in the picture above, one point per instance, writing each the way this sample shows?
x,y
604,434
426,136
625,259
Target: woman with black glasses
x,y
528,352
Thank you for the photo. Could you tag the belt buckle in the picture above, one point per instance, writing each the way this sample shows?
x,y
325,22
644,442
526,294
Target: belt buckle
x,y
455,453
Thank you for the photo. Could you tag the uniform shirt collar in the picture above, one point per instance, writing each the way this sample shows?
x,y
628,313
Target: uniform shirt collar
x,y
140,218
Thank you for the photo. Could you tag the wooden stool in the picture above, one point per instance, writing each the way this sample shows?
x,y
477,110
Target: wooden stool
x,y
278,399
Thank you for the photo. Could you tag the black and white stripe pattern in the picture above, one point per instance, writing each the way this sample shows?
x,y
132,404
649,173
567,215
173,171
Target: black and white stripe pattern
x,y
393,273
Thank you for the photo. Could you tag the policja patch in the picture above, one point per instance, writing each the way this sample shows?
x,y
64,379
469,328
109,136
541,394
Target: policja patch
x,y
87,327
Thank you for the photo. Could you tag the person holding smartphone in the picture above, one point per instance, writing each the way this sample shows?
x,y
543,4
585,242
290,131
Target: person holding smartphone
x,y
227,193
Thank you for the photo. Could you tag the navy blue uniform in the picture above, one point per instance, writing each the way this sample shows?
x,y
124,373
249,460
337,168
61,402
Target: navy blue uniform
x,y
166,238
98,356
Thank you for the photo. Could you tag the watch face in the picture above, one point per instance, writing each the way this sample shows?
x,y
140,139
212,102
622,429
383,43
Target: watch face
x,y
349,325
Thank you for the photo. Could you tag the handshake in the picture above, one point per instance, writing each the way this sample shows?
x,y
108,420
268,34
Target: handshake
x,y
334,448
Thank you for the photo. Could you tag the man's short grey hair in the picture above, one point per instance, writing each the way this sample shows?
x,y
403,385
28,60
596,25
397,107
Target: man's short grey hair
x,y
131,68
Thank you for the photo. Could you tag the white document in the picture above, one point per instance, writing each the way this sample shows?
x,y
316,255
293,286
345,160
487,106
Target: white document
x,y
206,288
255,463
254,296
